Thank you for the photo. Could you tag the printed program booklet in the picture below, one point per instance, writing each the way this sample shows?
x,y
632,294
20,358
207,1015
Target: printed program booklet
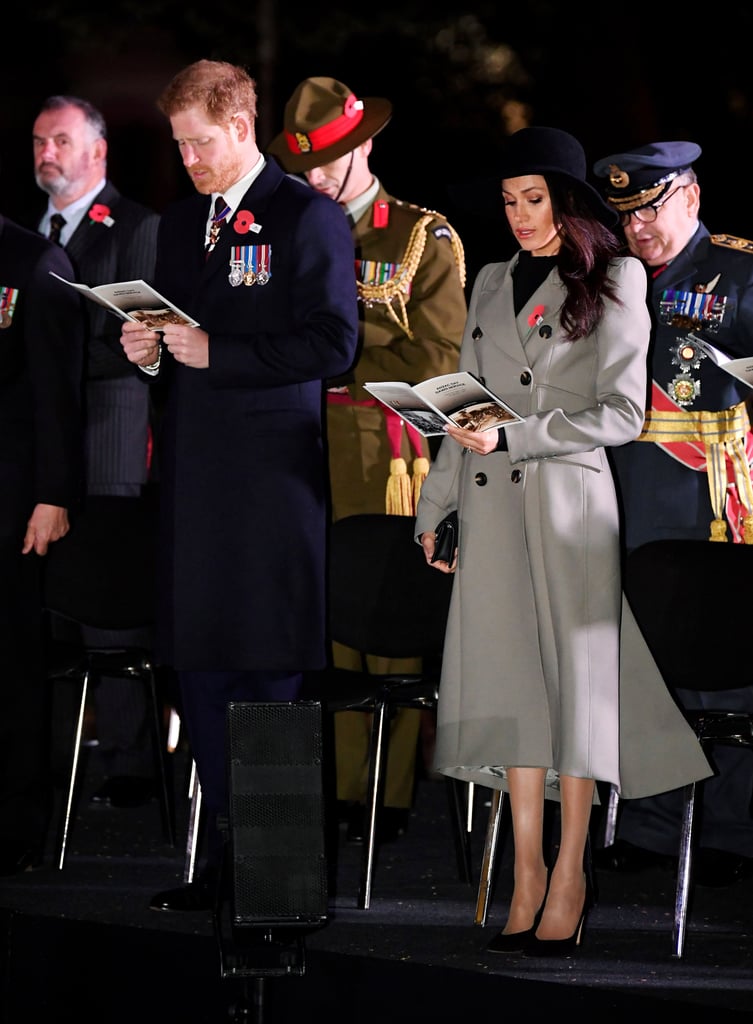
x,y
134,300
458,398
740,368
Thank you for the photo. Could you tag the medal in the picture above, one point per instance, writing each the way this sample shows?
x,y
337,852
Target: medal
x,y
686,354
683,389
694,310
250,265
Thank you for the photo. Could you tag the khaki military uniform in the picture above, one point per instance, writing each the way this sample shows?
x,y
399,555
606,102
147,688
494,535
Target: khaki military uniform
x,y
407,334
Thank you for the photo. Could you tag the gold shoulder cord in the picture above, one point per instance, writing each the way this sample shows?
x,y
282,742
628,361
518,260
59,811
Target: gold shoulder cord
x,y
396,287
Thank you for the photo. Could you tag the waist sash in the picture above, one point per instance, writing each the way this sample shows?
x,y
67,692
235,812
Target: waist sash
x,y
402,492
717,443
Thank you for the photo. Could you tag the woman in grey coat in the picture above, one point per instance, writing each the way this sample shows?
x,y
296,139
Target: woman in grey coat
x,y
547,684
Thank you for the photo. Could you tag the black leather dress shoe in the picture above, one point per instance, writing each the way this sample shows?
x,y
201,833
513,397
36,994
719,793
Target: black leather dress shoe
x,y
200,895
185,899
716,869
625,857
124,791
392,822
17,857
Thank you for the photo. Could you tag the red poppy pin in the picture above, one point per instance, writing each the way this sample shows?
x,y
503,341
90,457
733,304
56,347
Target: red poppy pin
x,y
244,220
536,317
100,214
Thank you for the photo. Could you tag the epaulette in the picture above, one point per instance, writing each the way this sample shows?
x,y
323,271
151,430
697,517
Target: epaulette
x,y
732,242
395,289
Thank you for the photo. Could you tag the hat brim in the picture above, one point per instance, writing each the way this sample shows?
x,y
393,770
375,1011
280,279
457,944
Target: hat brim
x,y
376,114
483,196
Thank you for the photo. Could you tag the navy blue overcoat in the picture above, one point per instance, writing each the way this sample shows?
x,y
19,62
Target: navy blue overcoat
x,y
243,465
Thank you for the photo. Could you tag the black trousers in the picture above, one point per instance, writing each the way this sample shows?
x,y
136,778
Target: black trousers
x,y
205,697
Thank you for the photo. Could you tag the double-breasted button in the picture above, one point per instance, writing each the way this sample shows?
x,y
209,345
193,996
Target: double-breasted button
x,y
480,479
525,378
516,476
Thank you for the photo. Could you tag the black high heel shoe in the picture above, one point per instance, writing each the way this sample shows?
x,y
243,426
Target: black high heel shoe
x,y
561,947
556,947
515,942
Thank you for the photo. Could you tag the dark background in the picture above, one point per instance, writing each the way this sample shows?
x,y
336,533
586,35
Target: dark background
x,y
460,80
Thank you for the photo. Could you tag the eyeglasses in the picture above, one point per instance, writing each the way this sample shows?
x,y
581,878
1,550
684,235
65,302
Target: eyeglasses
x,y
648,214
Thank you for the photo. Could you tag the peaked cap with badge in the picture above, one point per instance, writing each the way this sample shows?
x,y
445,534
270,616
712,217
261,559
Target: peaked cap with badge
x,y
323,121
643,176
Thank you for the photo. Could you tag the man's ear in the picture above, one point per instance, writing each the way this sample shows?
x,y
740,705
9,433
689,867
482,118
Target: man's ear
x,y
692,198
242,126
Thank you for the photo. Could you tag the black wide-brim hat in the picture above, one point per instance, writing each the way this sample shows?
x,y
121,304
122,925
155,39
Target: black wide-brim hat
x,y
323,121
536,150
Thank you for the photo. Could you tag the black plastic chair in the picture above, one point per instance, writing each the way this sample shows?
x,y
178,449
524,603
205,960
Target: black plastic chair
x,y
689,598
101,575
385,600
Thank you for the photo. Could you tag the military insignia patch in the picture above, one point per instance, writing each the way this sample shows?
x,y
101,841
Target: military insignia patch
x,y
442,232
8,297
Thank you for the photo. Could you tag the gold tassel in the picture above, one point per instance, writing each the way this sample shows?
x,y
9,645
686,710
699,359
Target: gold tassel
x,y
420,469
748,529
399,490
718,530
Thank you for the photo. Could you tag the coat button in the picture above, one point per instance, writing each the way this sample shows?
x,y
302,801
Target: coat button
x,y
516,476
480,479
525,378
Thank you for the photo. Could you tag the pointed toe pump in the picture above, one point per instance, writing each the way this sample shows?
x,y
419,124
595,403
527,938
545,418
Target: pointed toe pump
x,y
515,942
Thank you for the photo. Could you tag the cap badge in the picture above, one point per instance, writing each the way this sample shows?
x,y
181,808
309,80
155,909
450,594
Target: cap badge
x,y
304,144
617,177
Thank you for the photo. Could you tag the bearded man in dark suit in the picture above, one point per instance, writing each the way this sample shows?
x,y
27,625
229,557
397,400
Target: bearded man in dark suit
x,y
264,264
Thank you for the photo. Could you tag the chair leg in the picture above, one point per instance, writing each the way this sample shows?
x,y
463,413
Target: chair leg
x,y
377,766
488,862
194,825
460,831
74,770
610,816
166,803
683,871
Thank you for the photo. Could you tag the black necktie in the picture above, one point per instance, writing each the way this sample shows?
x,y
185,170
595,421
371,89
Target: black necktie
x,y
57,223
221,210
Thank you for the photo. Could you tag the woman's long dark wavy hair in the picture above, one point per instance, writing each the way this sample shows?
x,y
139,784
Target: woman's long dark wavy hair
x,y
587,246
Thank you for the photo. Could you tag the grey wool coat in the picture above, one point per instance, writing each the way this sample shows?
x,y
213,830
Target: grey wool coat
x,y
544,664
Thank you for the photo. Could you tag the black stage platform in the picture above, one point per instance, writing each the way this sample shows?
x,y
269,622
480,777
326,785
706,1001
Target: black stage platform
x,y
81,944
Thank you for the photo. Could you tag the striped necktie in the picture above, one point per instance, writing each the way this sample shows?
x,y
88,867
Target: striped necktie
x,y
221,210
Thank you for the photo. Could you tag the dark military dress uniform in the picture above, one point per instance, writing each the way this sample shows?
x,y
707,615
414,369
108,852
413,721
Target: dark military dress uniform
x,y
688,474
665,489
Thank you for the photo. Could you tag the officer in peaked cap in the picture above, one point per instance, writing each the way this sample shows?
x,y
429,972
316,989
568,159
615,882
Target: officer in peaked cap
x,y
643,177
700,291
410,274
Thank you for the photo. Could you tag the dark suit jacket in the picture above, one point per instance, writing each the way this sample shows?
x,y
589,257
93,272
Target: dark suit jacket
x,y
124,251
244,468
41,354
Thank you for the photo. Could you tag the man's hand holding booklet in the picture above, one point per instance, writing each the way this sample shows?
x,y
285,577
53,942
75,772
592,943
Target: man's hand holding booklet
x,y
458,398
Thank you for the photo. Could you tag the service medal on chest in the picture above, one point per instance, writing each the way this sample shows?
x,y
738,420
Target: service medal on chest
x,y
686,354
683,389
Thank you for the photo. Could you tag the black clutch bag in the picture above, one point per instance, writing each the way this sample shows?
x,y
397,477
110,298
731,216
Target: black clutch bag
x,y
446,539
